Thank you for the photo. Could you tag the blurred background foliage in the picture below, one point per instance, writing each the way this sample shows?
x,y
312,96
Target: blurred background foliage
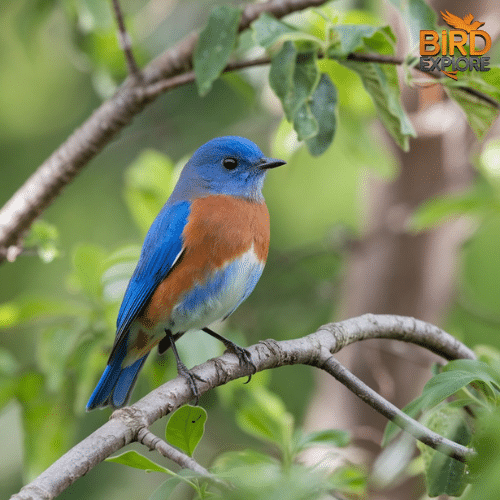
x,y
59,60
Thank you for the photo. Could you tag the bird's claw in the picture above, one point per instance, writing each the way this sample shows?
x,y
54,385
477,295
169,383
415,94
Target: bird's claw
x,y
190,378
244,358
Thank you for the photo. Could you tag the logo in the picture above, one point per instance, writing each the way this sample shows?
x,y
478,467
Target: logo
x,y
466,32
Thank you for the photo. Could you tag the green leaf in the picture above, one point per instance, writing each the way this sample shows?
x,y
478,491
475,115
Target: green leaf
x,y
149,181
215,44
323,106
281,74
43,237
304,123
137,461
350,38
268,30
330,437
417,15
348,480
185,428
439,209
264,415
381,82
293,76
165,489
480,114
445,475
456,375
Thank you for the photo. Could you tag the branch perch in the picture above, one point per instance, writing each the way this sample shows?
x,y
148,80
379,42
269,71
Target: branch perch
x,y
131,424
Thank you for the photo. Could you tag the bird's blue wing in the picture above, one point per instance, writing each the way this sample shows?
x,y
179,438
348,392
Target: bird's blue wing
x,y
161,248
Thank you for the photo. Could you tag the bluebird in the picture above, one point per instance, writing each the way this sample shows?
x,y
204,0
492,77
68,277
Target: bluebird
x,y
201,258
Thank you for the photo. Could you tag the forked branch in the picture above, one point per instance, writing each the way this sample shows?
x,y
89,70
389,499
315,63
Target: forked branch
x,y
131,424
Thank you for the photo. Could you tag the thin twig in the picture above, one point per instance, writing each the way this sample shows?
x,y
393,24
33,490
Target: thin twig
x,y
374,58
394,414
125,41
147,438
314,350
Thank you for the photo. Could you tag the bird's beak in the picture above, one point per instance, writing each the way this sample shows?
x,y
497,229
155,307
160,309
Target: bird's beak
x,y
267,163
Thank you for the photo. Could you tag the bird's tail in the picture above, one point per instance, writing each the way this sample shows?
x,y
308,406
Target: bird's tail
x,y
116,383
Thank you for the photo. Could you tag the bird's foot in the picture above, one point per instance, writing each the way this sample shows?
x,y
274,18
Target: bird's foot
x,y
190,377
182,370
244,357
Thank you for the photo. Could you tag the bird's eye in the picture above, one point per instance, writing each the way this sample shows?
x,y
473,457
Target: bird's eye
x,y
230,163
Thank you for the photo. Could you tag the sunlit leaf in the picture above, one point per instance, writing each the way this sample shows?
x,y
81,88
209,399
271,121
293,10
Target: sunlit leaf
x,y
185,428
137,461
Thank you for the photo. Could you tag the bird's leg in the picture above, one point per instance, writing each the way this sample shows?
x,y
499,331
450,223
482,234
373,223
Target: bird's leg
x,y
244,356
165,344
182,368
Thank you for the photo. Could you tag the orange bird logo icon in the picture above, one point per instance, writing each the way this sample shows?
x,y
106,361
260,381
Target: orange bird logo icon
x,y
465,24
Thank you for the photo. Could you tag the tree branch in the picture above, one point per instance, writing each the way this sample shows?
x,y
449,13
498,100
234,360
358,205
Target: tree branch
x,y
128,424
125,41
46,183
147,438
394,414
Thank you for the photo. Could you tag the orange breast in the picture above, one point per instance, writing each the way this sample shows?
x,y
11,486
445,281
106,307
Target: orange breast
x,y
219,228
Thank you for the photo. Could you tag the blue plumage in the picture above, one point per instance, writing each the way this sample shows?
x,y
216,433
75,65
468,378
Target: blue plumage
x,y
177,284
162,246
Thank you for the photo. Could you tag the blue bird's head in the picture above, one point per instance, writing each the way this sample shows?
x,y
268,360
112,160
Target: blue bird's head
x,y
226,165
